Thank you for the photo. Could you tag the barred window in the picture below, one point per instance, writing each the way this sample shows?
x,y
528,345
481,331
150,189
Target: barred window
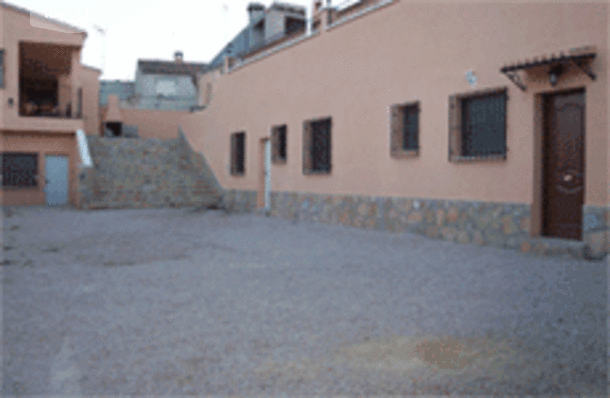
x,y
317,146
19,169
478,125
483,125
238,153
404,126
278,140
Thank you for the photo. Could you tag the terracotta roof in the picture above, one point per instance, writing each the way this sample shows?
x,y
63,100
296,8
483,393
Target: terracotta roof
x,y
575,53
34,14
172,67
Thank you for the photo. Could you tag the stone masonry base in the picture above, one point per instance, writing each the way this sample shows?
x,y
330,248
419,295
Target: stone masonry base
x,y
505,225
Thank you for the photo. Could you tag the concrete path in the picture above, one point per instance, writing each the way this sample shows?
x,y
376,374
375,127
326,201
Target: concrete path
x,y
175,302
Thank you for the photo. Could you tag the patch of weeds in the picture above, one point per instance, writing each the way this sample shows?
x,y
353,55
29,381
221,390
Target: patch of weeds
x,y
14,227
28,262
7,248
6,262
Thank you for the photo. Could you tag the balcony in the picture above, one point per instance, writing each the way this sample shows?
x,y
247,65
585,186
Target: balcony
x,y
49,98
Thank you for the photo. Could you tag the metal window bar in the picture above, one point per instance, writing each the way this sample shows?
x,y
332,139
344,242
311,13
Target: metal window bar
x,y
282,142
320,143
410,127
484,125
240,153
19,169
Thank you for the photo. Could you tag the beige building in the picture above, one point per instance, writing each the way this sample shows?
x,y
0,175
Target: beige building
x,y
474,122
46,96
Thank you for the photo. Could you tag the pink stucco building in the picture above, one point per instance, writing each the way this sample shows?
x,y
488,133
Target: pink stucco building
x,y
477,122
46,96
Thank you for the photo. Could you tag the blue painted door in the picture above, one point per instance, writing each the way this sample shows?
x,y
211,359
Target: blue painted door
x,y
56,188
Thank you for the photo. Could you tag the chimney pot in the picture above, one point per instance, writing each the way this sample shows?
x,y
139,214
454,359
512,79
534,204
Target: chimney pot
x,y
255,11
178,56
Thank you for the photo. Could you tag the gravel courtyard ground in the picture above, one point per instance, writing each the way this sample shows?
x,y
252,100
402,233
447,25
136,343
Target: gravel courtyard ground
x,y
183,302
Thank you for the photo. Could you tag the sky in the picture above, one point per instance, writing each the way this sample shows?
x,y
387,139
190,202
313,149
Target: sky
x,y
148,29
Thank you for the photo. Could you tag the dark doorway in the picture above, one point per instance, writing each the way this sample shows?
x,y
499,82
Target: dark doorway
x,y
116,128
564,165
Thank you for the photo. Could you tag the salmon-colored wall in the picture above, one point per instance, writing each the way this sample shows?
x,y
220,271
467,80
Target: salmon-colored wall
x,y
401,53
17,27
152,123
91,100
43,144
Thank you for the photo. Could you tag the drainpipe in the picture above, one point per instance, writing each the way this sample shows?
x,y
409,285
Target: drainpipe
x,y
308,20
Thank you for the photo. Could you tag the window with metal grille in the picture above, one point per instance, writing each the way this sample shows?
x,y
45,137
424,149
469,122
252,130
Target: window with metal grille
x,y
238,153
478,125
19,169
404,130
484,125
1,68
278,139
317,146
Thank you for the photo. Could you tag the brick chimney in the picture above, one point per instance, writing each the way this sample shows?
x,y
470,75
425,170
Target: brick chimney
x,y
178,56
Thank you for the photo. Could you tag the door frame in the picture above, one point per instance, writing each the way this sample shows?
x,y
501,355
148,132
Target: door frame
x,y
264,186
541,105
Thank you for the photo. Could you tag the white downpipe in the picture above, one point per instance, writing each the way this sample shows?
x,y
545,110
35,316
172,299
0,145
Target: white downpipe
x,y
308,16
83,149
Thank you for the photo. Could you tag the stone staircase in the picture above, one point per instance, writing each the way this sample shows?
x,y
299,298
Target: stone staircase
x,y
151,172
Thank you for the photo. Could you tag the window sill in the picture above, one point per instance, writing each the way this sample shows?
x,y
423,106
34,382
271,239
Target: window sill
x,y
405,154
279,161
466,159
238,174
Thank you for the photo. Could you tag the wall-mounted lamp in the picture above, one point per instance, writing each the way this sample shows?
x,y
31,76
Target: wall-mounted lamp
x,y
554,73
10,102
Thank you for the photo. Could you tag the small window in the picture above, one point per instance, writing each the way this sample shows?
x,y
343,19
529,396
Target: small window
x,y
317,146
404,130
278,139
19,169
238,153
79,103
478,125
1,68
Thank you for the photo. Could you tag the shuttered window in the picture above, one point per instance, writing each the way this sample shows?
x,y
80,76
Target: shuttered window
x,y
484,125
19,169
238,153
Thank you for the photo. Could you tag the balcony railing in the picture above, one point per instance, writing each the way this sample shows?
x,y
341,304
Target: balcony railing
x,y
48,110
55,104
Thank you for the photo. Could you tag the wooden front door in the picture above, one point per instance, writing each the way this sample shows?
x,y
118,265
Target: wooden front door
x,y
564,165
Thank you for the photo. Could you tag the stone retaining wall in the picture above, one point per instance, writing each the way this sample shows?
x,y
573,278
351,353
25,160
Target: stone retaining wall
x,y
505,225
138,172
